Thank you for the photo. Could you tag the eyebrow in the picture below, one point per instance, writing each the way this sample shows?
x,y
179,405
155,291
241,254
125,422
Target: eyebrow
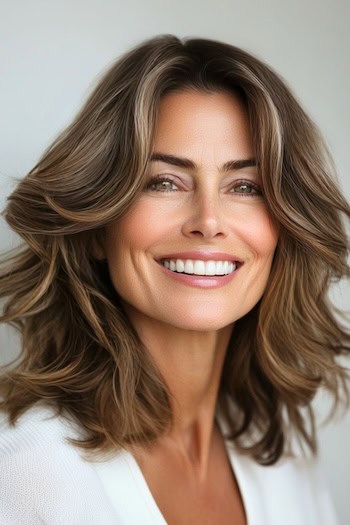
x,y
182,162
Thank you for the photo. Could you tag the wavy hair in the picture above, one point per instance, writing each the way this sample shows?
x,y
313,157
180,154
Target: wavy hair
x,y
80,352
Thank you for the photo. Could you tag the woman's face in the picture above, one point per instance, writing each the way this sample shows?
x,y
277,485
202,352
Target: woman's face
x,y
197,206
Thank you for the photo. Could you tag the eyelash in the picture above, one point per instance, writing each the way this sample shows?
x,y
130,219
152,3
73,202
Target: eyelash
x,y
163,178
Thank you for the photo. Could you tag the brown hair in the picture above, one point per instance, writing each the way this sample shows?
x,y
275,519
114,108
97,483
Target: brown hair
x,y
81,354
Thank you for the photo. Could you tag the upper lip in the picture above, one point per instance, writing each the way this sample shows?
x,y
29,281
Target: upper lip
x,y
201,255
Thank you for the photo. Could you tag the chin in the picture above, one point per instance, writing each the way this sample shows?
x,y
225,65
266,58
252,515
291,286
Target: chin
x,y
200,324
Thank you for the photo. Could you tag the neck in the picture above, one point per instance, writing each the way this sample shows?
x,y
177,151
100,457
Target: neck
x,y
191,364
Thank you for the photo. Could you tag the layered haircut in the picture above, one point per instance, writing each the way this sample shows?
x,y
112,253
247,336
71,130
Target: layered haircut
x,y
80,352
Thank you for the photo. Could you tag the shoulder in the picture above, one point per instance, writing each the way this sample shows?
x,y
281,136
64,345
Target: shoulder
x,y
38,425
41,475
38,433
293,490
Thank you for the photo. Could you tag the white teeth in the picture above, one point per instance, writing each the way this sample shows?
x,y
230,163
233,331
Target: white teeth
x,y
219,267
210,268
189,267
180,266
200,267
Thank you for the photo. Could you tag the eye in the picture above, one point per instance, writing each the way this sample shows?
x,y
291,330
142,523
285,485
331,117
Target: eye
x,y
163,184
247,188
160,183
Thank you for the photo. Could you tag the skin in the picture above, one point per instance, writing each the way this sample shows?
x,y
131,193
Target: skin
x,y
187,329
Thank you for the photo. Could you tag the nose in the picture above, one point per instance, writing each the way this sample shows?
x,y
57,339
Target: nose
x,y
206,218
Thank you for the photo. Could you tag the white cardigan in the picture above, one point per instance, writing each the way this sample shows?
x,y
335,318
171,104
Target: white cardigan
x,y
44,480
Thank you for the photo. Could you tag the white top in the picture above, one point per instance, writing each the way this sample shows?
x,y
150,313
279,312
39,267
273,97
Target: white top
x,y
44,480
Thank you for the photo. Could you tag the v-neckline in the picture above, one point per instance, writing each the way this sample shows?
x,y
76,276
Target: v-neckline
x,y
249,503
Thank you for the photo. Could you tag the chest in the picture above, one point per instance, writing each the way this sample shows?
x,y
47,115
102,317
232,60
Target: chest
x,y
181,504
182,500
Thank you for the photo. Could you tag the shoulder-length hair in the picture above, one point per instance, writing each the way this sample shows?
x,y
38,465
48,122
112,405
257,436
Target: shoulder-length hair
x,y
81,354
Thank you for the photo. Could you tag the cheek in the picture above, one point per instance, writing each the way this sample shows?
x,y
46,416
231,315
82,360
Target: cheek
x,y
259,235
132,231
258,232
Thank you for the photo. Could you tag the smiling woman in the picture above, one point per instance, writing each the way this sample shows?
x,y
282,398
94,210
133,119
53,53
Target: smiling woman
x,y
205,209
180,238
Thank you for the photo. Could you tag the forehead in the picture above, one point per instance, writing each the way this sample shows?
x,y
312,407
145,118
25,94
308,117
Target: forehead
x,y
193,120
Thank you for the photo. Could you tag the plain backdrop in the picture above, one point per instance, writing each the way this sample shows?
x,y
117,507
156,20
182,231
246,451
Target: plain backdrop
x,y
53,53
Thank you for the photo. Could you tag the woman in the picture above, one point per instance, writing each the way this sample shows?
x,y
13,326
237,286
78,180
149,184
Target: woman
x,y
180,239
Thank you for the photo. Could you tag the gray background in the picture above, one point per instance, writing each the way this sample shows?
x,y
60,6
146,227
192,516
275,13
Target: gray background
x,y
52,54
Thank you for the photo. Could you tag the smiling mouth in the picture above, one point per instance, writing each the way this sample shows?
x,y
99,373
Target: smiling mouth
x,y
204,269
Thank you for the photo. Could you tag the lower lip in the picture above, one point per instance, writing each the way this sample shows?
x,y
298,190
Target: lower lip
x,y
201,281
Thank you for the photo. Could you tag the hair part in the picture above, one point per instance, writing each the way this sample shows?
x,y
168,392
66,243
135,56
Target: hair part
x,y
81,354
